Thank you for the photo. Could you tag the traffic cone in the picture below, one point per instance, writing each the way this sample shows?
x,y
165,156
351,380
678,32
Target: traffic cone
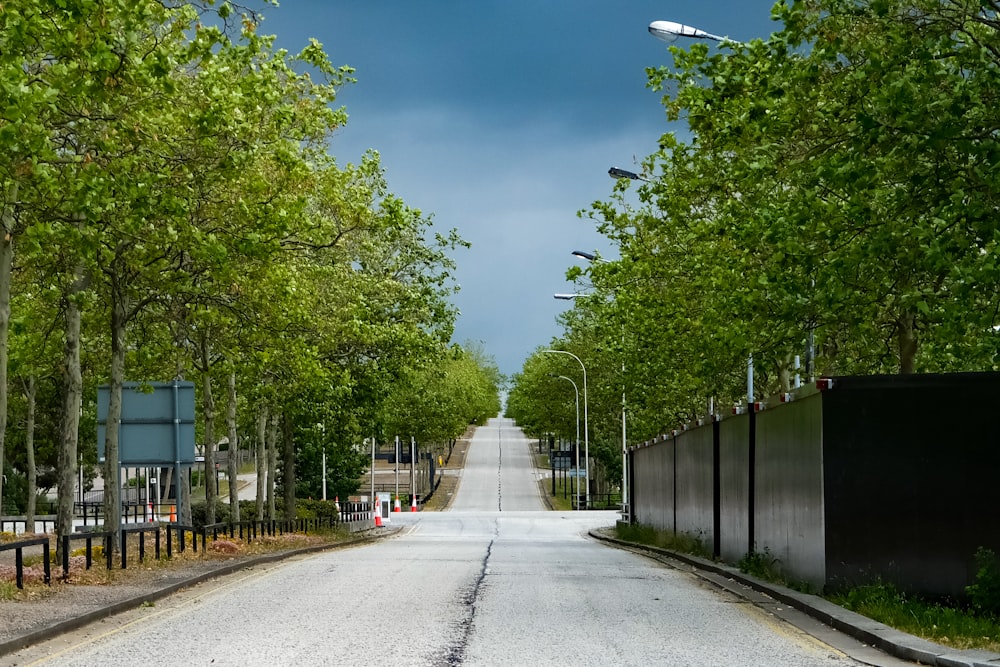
x,y
413,502
173,514
378,513
395,507
336,503
152,517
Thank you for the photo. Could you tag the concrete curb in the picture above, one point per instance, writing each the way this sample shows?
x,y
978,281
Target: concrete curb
x,y
70,624
893,642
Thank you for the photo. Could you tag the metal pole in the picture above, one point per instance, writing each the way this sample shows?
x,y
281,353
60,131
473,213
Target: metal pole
x,y
177,455
586,429
577,441
324,471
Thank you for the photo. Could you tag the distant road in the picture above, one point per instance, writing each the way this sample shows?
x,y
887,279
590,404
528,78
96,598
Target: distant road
x,y
496,580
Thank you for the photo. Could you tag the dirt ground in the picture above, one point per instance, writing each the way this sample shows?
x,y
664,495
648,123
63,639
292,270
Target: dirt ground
x,y
451,475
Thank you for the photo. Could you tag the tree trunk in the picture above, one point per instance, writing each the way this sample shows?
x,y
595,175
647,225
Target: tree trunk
x,y
72,396
907,329
6,260
29,448
232,469
288,467
272,465
208,408
262,473
112,461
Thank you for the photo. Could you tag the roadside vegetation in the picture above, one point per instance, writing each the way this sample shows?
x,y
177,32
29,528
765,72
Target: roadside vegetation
x,y
172,207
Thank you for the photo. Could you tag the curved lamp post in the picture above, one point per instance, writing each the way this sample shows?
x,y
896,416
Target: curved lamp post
x,y
668,31
590,257
577,441
586,439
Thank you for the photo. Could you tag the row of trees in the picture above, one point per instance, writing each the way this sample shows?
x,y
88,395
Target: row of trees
x,y
171,209
834,196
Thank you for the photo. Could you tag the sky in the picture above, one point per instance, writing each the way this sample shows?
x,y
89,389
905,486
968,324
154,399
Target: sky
x,y
500,119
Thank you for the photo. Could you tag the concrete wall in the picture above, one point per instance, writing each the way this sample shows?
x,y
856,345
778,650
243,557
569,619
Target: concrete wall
x,y
891,478
653,484
695,484
788,503
734,487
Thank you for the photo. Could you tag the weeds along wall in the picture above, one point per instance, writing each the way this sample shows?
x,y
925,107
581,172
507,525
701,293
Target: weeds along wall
x,y
884,477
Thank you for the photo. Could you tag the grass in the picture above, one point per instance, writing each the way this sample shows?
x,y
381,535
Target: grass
x,y
944,622
690,544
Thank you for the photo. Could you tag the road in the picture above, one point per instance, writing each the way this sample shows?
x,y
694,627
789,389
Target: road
x,y
494,581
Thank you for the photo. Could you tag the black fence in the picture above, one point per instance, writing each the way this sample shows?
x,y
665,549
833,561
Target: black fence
x,y
173,532
18,548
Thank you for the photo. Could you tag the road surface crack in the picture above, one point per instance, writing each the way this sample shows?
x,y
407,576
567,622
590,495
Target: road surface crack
x,y
455,654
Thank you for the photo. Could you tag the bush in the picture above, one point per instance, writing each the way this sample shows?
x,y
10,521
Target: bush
x,y
199,512
984,594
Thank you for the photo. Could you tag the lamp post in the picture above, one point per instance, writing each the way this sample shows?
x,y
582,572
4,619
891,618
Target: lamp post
x,y
577,441
586,437
614,172
668,31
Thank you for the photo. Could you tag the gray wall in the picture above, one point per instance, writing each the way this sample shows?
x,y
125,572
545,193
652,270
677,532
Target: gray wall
x,y
695,467
653,484
734,492
789,514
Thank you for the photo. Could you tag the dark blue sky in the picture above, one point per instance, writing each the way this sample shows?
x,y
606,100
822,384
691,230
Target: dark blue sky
x,y
500,119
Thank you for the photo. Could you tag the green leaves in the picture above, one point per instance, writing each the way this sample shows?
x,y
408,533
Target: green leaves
x,y
839,180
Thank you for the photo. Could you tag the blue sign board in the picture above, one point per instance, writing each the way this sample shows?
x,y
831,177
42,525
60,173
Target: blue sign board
x,y
157,423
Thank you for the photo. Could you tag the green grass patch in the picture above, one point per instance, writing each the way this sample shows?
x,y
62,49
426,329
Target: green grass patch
x,y
8,590
944,622
682,542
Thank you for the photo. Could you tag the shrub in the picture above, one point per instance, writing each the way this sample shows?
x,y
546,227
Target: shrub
x,y
984,594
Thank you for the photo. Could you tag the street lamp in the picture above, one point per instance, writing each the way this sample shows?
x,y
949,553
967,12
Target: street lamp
x,y
669,31
625,509
586,429
616,173
577,441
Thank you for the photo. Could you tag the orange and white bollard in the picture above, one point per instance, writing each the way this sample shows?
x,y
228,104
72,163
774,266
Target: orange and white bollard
x,y
413,502
173,514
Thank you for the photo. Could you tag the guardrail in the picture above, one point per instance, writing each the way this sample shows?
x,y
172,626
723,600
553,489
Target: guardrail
x,y
251,529
89,536
18,548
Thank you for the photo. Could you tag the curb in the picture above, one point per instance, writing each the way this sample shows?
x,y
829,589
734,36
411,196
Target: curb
x,y
889,640
77,622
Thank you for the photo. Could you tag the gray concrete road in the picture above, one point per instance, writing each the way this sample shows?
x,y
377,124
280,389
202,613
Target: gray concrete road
x,y
494,581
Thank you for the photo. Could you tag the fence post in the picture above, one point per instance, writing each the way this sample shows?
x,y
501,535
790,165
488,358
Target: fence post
x,y
65,556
